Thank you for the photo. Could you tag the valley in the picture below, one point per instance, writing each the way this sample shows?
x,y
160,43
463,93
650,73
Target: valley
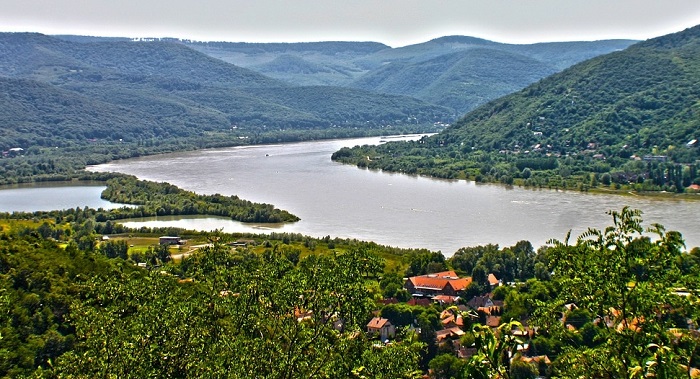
x,y
487,245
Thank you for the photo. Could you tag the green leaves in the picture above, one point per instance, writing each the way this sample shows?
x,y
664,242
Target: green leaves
x,y
629,282
242,316
495,348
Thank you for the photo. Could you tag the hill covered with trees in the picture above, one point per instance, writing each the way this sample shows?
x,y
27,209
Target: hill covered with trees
x,y
628,118
112,98
165,89
457,72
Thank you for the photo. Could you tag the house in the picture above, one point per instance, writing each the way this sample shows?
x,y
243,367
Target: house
x,y
439,283
450,333
14,151
493,310
381,327
169,240
537,359
445,299
493,321
449,320
480,302
419,301
493,281
655,158
242,243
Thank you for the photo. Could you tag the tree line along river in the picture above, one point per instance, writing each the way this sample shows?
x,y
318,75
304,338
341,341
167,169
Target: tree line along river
x,y
388,208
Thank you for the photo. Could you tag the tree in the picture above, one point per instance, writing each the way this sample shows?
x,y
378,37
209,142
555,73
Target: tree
x,y
446,366
426,262
494,351
398,314
629,282
114,249
520,369
244,315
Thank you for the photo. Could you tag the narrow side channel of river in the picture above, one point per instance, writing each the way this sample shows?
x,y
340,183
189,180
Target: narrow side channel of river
x,y
392,209
52,196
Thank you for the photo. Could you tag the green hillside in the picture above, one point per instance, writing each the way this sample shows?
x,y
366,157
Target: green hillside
x,y
47,58
305,63
464,72
641,98
127,90
457,72
461,81
593,123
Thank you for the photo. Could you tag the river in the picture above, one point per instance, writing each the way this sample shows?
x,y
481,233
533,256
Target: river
x,y
49,196
392,209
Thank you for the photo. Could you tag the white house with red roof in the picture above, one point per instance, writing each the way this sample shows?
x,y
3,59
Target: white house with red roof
x,y
381,327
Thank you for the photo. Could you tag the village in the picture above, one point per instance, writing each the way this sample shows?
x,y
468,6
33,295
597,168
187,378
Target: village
x,y
442,293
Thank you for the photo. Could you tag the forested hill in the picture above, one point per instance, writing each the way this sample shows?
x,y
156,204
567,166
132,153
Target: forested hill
x,y
455,71
599,117
458,72
643,100
462,80
465,72
44,58
58,91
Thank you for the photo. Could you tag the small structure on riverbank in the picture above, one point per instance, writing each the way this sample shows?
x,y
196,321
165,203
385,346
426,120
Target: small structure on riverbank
x,y
169,240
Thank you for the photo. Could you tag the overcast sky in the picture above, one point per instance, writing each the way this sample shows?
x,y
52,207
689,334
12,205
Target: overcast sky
x,y
393,22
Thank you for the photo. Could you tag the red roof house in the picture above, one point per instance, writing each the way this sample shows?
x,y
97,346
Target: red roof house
x,y
439,283
382,327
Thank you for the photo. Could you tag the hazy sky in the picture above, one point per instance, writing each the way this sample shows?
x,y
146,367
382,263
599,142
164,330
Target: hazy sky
x,y
394,22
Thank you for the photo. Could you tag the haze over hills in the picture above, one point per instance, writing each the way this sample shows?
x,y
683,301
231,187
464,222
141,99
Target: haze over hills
x,y
597,117
58,90
633,100
455,71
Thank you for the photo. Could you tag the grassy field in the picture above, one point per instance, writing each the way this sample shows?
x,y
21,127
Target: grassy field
x,y
141,243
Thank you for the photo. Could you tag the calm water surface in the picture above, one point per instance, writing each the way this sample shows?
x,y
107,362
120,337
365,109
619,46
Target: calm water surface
x,y
52,196
392,209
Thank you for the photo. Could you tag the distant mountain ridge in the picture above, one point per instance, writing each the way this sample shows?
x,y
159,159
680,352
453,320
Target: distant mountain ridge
x,y
633,115
642,97
486,71
380,68
128,91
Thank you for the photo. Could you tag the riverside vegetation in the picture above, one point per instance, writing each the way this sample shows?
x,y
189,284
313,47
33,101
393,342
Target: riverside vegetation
x,y
289,306
76,101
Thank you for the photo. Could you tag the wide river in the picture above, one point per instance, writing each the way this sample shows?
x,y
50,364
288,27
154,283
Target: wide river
x,y
392,209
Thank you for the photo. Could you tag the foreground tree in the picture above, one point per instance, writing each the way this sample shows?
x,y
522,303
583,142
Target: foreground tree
x,y
628,278
495,352
237,315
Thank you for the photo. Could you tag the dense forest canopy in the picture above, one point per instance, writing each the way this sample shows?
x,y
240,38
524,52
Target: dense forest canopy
x,y
122,91
456,72
289,306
